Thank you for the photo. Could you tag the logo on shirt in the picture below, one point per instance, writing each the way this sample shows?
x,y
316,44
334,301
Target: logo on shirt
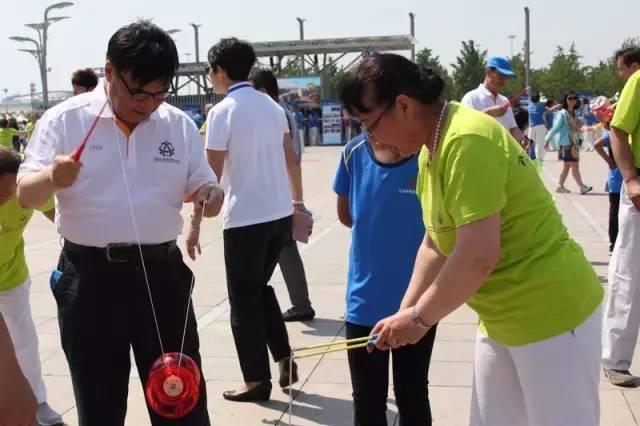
x,y
166,151
521,160
411,188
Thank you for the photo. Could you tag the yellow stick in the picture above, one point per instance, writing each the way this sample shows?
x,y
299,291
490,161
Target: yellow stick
x,y
335,343
328,351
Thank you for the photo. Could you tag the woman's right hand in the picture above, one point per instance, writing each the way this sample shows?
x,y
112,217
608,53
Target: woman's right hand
x,y
632,189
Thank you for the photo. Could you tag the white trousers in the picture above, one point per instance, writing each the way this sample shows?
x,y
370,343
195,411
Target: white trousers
x,y
15,308
622,311
302,136
313,135
549,383
537,134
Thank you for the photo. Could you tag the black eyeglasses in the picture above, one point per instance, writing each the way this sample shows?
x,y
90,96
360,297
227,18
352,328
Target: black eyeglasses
x,y
372,127
572,98
142,95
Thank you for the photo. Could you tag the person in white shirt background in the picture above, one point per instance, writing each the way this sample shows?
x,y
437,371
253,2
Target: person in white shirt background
x,y
487,97
249,148
121,282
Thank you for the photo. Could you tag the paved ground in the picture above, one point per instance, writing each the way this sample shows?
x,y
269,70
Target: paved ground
x,y
324,390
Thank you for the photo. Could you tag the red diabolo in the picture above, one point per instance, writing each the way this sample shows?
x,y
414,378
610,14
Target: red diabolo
x,y
173,387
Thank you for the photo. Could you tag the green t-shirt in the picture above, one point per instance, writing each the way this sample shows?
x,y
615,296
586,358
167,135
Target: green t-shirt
x,y
627,115
13,220
6,137
542,285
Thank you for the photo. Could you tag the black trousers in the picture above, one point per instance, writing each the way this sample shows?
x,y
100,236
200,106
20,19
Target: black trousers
x,y
250,254
104,310
614,207
370,381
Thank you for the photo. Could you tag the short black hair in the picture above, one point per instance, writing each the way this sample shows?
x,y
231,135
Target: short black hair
x,y
550,103
85,78
144,49
235,56
9,161
3,123
630,55
565,102
265,79
535,97
380,78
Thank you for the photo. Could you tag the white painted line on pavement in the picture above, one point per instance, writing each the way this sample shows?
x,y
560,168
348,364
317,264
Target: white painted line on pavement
x,y
602,233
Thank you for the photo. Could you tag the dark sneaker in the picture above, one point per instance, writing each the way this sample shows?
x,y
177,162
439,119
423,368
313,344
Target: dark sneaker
x,y
622,378
294,315
286,379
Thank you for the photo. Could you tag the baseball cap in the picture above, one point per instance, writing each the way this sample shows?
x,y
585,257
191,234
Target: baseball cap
x,y
502,64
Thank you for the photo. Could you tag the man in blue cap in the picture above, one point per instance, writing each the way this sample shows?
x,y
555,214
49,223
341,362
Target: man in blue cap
x,y
487,97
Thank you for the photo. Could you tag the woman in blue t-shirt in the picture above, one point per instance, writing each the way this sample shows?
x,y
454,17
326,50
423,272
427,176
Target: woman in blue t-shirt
x,y
377,200
614,184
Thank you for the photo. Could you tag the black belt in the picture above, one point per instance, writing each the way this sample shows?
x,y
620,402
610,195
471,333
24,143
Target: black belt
x,y
124,252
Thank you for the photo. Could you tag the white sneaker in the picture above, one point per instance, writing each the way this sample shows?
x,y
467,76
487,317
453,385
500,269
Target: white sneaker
x,y
562,190
585,189
47,416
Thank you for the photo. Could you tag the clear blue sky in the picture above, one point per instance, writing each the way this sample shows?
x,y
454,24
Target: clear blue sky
x,y
597,27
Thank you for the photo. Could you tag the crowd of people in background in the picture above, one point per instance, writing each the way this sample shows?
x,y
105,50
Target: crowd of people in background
x,y
474,214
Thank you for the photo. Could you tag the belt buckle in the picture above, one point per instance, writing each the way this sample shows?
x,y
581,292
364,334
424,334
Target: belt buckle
x,y
110,258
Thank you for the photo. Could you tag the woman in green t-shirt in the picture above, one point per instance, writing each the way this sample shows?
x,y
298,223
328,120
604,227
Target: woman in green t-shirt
x,y
496,241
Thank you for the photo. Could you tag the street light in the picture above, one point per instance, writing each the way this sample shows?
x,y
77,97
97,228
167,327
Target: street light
x,y
512,37
197,39
40,52
173,31
301,24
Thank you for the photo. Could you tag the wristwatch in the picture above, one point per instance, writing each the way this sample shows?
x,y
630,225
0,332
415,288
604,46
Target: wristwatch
x,y
417,320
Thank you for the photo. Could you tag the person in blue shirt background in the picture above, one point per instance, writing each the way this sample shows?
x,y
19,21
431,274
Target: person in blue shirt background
x,y
548,123
537,129
314,127
301,124
614,183
377,200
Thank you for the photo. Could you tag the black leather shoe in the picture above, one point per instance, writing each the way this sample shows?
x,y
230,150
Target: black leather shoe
x,y
293,314
285,380
262,392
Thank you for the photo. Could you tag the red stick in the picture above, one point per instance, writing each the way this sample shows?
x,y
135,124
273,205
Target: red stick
x,y
78,152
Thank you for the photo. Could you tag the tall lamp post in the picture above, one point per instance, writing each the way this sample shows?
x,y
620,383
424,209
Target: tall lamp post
x,y
301,25
42,28
197,47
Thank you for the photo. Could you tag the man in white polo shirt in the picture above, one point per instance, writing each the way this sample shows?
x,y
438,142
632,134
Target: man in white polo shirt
x,y
118,209
487,97
249,147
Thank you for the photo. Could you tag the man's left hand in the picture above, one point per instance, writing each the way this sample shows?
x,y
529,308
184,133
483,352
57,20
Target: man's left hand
x,y
210,197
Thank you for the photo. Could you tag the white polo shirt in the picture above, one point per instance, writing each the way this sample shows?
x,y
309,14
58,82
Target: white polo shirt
x,y
481,99
162,159
250,127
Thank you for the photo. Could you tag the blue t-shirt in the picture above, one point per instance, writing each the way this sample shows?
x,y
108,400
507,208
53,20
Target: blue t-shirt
x,y
299,116
614,179
548,119
536,114
386,234
314,120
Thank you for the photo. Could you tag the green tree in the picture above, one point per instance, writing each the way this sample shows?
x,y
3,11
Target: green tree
x,y
631,42
426,58
603,79
293,69
517,84
565,73
468,71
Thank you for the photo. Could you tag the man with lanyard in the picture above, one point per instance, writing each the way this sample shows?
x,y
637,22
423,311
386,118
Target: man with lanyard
x,y
487,97
249,148
622,311
121,281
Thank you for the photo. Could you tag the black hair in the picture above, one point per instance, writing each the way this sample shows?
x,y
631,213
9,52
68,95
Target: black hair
x,y
565,102
266,80
9,161
144,49
550,103
85,78
535,97
3,123
630,55
13,123
522,118
235,56
381,77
